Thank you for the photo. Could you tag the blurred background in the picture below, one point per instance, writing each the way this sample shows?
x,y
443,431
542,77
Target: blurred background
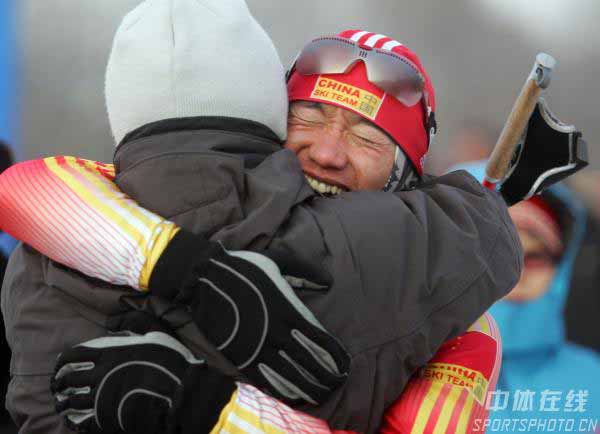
x,y
477,52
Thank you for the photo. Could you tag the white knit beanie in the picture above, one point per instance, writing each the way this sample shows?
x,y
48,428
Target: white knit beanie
x,y
184,58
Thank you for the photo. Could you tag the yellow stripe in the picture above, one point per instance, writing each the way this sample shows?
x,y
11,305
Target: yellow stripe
x,y
91,198
444,420
233,429
161,231
485,326
481,325
101,168
111,192
465,415
425,410
234,408
255,421
157,246
224,414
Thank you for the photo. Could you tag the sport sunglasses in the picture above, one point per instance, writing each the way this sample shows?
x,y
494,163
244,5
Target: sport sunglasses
x,y
393,73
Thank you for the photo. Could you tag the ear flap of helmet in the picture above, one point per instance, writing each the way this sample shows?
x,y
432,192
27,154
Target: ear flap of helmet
x,y
403,176
431,126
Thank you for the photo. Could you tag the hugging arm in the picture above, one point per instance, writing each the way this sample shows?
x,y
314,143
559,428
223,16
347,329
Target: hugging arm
x,y
70,210
144,381
141,380
431,212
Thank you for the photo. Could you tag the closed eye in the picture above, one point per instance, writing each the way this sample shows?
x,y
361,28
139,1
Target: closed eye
x,y
307,114
369,142
365,139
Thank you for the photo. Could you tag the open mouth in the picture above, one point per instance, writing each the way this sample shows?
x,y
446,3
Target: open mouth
x,y
322,187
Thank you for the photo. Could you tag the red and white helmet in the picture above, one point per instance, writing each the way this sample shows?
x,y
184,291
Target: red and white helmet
x,y
411,125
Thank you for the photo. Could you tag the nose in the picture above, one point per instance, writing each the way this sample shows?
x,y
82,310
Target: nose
x,y
329,152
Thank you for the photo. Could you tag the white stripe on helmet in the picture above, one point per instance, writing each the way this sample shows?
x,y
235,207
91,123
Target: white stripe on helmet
x,y
373,40
358,35
390,45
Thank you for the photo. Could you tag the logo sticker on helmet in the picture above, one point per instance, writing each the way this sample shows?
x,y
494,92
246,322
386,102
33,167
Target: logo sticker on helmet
x,y
349,96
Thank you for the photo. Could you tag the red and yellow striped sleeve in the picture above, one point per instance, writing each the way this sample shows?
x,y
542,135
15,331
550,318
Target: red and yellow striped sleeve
x,y
448,394
251,411
70,210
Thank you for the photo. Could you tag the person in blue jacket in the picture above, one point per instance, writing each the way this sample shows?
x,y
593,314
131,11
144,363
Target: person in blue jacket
x,y
546,384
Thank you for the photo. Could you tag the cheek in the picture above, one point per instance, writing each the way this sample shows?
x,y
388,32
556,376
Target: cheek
x,y
373,168
291,142
299,138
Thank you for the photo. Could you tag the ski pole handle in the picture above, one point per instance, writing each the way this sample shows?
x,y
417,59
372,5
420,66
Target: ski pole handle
x,y
539,79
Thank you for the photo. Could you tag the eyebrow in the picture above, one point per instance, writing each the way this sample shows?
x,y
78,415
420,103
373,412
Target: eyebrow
x,y
367,123
361,120
306,105
314,104
310,104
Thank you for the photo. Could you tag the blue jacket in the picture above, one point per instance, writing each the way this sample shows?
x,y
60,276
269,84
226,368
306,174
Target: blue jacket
x,y
561,378
7,244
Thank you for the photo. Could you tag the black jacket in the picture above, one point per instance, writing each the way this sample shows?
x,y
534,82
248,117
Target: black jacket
x,y
411,269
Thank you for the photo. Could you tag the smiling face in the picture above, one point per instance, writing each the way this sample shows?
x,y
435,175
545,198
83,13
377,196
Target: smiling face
x,y
338,149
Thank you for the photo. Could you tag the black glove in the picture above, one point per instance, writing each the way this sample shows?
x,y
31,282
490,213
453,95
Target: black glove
x,y
551,152
142,384
248,310
138,322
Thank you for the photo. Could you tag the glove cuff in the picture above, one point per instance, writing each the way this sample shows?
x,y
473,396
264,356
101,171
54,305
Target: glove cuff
x,y
184,257
194,411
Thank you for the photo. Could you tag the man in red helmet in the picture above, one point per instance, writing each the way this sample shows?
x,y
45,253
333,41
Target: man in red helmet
x,y
411,268
384,84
